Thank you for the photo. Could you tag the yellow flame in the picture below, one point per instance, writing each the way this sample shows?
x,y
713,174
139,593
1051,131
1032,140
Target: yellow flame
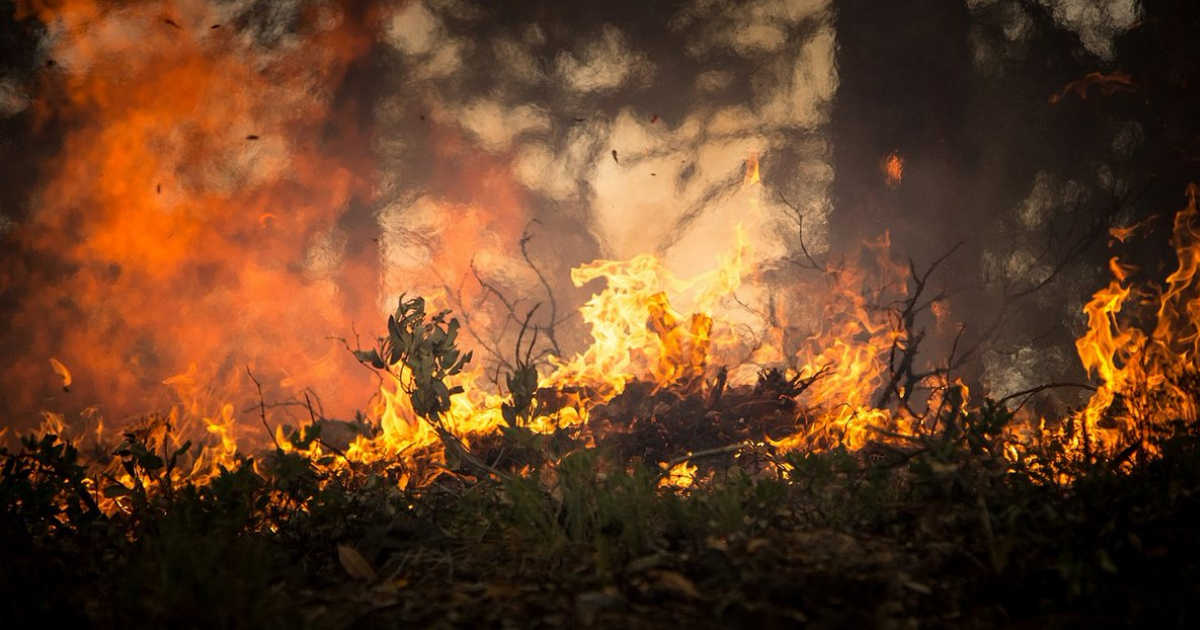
x,y
680,476
1143,370
636,333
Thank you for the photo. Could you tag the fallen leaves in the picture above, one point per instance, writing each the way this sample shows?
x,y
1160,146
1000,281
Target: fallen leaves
x,y
355,565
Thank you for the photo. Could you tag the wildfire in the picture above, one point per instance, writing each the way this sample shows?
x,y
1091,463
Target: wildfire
x,y
162,209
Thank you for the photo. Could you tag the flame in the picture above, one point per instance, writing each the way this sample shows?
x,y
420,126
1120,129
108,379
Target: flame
x,y
62,371
847,357
195,204
680,476
1121,271
1143,370
639,333
1123,234
636,332
234,204
201,174
752,175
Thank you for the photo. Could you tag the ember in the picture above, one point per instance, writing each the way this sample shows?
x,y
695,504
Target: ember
x,y
892,166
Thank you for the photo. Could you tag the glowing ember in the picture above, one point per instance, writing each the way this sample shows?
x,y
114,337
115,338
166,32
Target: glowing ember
x,y
892,166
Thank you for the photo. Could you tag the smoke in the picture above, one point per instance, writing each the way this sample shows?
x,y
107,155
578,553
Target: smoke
x,y
602,131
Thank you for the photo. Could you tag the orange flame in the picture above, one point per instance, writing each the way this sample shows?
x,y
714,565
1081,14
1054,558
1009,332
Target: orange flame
x,y
62,371
752,175
680,476
183,143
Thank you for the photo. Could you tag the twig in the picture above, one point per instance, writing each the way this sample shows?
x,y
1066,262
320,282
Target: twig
x,y
262,409
491,348
812,262
732,448
1126,453
313,419
523,361
985,518
718,387
903,376
525,238
452,442
1041,388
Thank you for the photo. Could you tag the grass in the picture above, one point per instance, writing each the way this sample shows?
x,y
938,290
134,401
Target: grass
x,y
944,533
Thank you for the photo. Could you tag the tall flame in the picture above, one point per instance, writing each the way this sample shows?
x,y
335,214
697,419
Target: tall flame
x,y
1144,369
190,225
635,331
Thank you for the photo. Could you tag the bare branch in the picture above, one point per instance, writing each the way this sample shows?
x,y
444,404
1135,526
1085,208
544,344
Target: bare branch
x,y
262,408
525,238
1041,388
799,218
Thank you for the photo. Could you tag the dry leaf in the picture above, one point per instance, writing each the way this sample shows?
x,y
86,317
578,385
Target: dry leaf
x,y
356,565
757,543
677,583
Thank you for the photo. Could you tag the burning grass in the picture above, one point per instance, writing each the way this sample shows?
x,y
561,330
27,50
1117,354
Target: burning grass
x,y
642,482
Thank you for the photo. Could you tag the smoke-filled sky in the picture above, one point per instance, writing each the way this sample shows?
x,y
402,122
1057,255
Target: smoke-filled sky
x,y
622,128
212,185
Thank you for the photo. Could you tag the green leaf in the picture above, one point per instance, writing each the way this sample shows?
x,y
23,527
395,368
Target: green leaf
x,y
370,356
394,328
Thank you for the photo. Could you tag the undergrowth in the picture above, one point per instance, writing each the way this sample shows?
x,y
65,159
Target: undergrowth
x,y
255,545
